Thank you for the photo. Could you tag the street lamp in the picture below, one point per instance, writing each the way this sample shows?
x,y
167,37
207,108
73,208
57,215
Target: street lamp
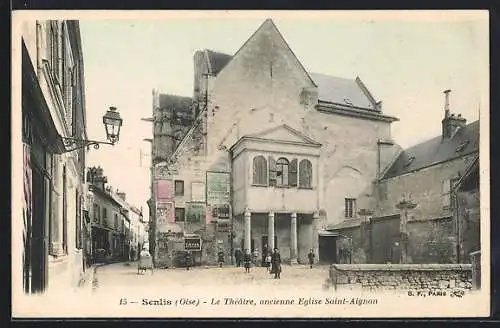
x,y
112,123
404,205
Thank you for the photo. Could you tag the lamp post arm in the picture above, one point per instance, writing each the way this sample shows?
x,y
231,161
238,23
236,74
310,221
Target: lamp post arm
x,y
72,144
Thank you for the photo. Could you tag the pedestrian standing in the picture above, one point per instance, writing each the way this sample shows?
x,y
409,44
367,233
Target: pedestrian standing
x,y
188,258
238,255
268,262
276,264
247,259
220,256
255,256
311,256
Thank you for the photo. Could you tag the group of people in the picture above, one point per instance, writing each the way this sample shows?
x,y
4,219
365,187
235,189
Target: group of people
x,y
271,260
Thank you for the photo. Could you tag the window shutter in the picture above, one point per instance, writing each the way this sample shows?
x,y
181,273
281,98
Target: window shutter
x,y
292,175
272,171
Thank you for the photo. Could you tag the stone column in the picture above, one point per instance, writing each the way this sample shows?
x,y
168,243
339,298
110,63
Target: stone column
x,y
270,232
248,226
315,234
293,238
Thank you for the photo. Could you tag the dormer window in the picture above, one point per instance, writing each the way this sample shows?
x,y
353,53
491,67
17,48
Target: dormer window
x,y
348,101
462,146
410,160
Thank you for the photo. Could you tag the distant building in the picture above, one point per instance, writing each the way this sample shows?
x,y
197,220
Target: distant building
x,y
118,228
425,174
53,108
269,154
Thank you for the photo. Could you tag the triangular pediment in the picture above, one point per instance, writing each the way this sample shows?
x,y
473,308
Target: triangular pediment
x,y
270,47
284,133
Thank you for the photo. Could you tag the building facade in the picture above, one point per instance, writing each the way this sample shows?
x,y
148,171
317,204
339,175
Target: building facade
x,y
430,231
117,227
53,108
263,160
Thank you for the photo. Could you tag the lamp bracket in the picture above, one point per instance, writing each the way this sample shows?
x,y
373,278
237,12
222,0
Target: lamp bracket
x,y
72,144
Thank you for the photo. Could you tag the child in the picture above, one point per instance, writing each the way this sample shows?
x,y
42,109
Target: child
x,y
268,262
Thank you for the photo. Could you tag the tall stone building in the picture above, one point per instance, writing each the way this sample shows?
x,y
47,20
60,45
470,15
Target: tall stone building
x,y
273,155
53,108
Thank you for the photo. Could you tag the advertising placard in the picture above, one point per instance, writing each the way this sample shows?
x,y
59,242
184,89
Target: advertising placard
x,y
218,188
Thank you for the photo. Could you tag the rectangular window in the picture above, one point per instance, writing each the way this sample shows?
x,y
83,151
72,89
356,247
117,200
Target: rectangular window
x,y
97,212
350,207
446,184
105,216
116,222
179,188
179,214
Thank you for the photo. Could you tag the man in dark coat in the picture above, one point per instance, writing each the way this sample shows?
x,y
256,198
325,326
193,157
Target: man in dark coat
x,y
276,264
188,259
311,256
238,256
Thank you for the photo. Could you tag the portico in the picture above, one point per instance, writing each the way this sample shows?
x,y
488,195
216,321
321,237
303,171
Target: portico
x,y
275,192
291,232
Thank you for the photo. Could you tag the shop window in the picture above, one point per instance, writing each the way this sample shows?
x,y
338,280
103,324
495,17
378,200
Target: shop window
x,y
350,207
179,188
179,214
260,171
282,172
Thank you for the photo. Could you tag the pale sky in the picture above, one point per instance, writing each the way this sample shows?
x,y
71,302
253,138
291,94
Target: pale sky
x,y
405,64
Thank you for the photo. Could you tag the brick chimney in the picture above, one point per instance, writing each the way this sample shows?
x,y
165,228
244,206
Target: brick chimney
x,y
450,123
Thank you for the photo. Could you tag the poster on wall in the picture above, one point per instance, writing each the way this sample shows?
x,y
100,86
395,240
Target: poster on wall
x,y
165,213
218,188
163,190
195,212
198,192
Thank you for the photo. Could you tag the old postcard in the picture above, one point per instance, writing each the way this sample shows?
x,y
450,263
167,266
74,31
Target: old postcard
x,y
250,164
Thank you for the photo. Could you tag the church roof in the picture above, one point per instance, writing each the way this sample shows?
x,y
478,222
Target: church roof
x,y
436,150
217,60
331,89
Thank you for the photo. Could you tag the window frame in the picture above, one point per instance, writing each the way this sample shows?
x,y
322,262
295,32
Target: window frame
x,y
263,179
183,214
176,191
301,172
282,168
349,208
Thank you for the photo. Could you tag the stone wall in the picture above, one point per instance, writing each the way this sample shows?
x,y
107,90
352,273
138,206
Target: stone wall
x,y
423,277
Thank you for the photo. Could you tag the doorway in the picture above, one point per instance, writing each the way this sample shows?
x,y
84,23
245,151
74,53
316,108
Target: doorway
x,y
37,260
327,249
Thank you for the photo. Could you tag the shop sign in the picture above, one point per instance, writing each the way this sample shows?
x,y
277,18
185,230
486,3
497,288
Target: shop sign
x,y
195,212
192,244
198,192
218,188
165,213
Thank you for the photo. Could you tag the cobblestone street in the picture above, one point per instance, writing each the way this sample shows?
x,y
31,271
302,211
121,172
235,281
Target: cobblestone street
x,y
120,276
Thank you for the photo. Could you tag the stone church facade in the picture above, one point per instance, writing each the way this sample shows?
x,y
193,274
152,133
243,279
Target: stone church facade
x,y
265,154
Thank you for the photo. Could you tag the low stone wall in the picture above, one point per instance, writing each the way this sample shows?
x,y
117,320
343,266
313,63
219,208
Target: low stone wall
x,y
432,277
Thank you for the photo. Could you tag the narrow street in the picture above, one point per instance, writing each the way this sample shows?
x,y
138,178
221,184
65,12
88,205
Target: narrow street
x,y
119,276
